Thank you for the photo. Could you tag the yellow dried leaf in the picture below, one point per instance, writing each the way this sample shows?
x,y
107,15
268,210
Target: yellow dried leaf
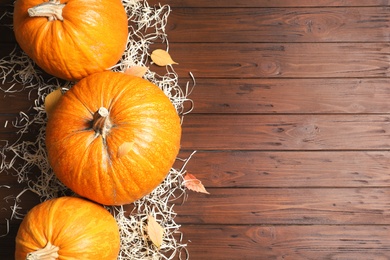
x,y
51,101
124,149
155,231
162,58
192,183
138,71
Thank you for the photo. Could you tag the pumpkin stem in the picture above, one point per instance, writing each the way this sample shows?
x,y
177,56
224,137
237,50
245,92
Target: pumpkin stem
x,y
49,252
52,10
101,122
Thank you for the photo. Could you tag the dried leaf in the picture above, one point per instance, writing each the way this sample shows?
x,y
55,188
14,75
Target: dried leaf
x,y
124,149
192,183
162,58
155,231
138,71
51,101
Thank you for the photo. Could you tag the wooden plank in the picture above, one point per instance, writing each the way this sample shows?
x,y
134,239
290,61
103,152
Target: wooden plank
x,y
10,137
286,60
14,98
306,206
287,242
7,240
270,3
254,169
261,96
350,24
286,132
282,60
8,178
12,165
265,96
258,3
11,125
26,200
6,32
267,25
6,3
271,242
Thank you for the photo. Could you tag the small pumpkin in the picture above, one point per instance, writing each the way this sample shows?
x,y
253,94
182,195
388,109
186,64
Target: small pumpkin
x,y
68,228
113,137
71,39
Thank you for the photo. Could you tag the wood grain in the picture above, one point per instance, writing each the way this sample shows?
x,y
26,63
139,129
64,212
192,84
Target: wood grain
x,y
270,3
23,100
7,244
282,60
256,169
260,3
348,24
286,132
261,96
6,32
305,206
287,242
262,24
291,96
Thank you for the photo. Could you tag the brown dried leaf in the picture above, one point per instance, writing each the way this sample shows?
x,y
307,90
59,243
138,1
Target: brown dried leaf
x,y
51,101
155,231
162,58
138,71
124,149
192,183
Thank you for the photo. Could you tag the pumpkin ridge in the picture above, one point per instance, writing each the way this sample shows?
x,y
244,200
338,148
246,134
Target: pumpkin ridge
x,y
120,186
27,244
85,159
83,50
61,153
68,31
85,177
118,95
50,222
76,95
47,49
39,40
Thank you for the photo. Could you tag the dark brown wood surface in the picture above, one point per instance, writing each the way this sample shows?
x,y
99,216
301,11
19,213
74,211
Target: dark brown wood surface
x,y
290,123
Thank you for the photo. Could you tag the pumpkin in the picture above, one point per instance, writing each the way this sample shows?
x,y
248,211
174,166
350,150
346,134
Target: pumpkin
x,y
113,137
71,39
68,228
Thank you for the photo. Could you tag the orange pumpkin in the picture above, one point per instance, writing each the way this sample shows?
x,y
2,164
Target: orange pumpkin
x,y
113,137
68,228
71,39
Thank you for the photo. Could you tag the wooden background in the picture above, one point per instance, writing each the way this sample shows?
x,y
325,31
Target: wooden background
x,y
291,126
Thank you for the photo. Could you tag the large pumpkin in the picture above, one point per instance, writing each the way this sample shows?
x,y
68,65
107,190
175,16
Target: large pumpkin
x,y
68,228
71,39
113,137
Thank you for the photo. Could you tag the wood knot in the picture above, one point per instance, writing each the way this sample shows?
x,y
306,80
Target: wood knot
x,y
269,68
